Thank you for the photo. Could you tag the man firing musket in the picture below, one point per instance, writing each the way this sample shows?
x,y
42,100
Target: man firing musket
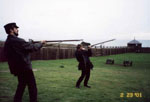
x,y
85,65
17,51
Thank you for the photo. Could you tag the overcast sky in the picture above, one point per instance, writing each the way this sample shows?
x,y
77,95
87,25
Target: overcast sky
x,y
91,20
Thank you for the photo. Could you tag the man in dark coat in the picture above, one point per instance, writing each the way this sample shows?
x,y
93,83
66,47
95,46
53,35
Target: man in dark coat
x,y
85,64
17,51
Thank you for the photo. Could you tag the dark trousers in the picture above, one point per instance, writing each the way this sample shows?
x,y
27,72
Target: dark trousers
x,y
85,74
26,78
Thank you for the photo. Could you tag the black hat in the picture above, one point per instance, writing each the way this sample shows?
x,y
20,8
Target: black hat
x,y
10,26
85,43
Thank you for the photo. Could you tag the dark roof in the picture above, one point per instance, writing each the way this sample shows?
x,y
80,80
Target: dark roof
x,y
134,42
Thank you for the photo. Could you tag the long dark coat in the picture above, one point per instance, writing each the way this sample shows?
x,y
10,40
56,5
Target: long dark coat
x,y
82,57
17,51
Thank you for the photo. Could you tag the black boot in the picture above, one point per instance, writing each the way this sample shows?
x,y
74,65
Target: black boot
x,y
77,86
87,86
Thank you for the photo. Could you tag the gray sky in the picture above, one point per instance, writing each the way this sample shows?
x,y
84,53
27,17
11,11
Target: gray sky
x,y
91,20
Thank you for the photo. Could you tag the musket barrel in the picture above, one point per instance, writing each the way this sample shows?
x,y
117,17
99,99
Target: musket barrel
x,y
60,40
102,42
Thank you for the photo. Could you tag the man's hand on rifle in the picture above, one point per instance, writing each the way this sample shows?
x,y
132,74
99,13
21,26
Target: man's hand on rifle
x,y
43,41
89,47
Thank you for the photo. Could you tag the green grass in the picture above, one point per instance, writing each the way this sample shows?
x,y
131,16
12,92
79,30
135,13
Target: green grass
x,y
57,84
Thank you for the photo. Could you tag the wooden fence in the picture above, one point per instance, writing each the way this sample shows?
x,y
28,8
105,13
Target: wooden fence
x,y
53,53
48,53
145,50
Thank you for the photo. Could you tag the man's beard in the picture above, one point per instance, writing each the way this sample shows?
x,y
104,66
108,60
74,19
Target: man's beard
x,y
16,34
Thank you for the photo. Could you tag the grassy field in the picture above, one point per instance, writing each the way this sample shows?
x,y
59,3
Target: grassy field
x,y
110,83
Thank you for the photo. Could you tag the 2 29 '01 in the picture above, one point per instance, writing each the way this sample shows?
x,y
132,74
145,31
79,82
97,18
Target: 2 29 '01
x,y
131,94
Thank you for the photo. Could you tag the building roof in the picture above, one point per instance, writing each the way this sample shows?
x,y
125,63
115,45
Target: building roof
x,y
134,42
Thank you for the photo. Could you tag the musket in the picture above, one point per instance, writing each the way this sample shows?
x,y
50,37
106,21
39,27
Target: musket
x,y
87,44
30,40
102,42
